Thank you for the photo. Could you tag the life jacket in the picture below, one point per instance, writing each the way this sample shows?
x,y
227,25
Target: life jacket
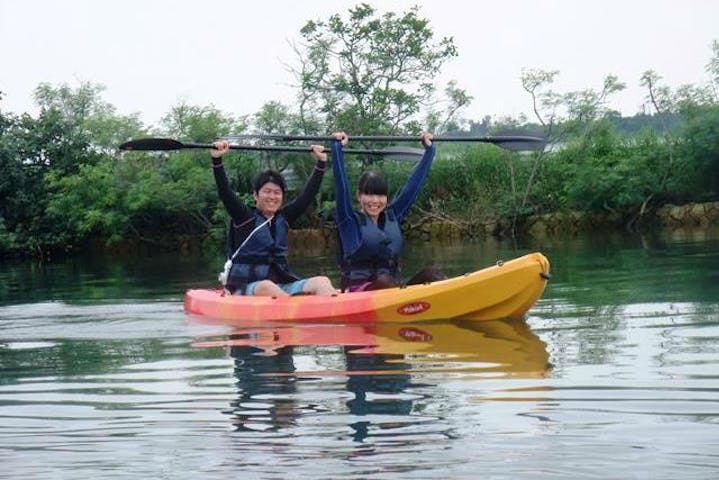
x,y
379,251
263,256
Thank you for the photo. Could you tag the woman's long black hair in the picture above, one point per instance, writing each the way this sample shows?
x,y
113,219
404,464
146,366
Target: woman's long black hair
x,y
373,183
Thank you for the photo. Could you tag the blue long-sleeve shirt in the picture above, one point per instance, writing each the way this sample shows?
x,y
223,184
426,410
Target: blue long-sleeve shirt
x,y
347,225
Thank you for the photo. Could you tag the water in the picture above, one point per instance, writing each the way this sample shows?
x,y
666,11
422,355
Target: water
x,y
613,374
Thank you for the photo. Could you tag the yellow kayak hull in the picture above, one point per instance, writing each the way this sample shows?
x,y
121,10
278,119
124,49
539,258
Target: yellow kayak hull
x,y
505,290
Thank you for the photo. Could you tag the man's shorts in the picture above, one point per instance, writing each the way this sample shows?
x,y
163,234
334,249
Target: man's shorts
x,y
291,288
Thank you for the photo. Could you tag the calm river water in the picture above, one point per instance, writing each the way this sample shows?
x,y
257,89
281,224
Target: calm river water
x,y
613,374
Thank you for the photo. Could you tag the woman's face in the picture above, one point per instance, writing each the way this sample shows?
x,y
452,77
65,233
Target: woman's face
x,y
371,204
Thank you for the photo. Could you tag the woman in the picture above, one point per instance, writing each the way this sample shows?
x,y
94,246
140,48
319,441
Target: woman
x,y
371,238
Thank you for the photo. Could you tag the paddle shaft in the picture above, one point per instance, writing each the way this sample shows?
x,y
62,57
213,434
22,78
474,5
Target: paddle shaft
x,y
393,138
165,144
282,148
509,142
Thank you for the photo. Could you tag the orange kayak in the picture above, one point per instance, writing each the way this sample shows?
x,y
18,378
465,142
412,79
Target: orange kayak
x,y
505,290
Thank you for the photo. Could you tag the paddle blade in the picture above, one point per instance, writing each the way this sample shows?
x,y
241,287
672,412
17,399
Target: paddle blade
x,y
402,153
152,144
520,145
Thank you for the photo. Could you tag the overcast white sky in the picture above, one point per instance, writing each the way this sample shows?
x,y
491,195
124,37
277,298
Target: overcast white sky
x,y
152,54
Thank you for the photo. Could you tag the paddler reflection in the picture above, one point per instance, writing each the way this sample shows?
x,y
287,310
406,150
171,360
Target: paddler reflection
x,y
380,360
266,386
378,381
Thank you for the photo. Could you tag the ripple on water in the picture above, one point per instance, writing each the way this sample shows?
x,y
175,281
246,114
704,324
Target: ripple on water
x,y
58,320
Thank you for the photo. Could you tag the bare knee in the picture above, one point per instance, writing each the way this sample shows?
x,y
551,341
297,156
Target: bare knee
x,y
320,285
268,288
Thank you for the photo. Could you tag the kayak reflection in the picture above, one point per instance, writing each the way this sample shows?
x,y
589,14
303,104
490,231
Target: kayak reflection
x,y
377,362
497,347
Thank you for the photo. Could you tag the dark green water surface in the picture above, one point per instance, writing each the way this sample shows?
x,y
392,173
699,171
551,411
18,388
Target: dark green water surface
x,y
613,374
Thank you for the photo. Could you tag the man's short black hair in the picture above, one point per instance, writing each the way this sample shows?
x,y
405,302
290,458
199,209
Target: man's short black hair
x,y
269,176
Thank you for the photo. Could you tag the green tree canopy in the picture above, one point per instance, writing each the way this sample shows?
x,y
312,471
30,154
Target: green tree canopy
x,y
200,124
370,73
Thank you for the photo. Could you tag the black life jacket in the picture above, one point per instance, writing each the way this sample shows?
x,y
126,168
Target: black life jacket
x,y
263,257
379,251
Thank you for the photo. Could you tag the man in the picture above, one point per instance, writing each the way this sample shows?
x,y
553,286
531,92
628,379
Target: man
x,y
257,242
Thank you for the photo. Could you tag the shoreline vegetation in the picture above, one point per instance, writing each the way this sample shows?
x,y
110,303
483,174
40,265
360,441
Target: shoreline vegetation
x,y
66,185
687,221
73,195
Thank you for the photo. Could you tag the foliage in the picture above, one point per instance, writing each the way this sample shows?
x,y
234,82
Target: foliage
x,y
85,115
369,73
64,182
478,172
712,69
608,176
200,124
699,153
277,118
57,141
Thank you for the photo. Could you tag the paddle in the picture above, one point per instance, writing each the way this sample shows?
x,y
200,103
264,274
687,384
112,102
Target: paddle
x,y
508,142
164,144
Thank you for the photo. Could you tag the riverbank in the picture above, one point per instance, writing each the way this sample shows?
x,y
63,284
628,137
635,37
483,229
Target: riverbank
x,y
688,220
669,217
680,218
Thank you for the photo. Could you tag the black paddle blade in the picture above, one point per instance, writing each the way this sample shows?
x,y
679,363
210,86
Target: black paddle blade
x,y
522,145
402,153
146,144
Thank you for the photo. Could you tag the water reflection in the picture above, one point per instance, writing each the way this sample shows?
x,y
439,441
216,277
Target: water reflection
x,y
388,368
266,382
377,381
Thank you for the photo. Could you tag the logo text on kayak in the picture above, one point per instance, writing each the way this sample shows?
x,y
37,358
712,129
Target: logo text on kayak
x,y
413,308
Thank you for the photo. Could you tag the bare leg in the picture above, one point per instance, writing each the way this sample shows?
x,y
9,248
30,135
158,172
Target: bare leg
x,y
268,288
319,286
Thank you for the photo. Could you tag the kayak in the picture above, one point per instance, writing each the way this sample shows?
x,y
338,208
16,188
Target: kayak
x,y
505,290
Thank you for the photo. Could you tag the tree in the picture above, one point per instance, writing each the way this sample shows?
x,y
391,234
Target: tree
x,y
575,114
661,99
698,154
200,124
12,182
277,118
370,73
73,133
575,111
85,115
439,121
712,69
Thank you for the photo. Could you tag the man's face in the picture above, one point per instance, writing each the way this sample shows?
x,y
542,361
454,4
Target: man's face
x,y
268,198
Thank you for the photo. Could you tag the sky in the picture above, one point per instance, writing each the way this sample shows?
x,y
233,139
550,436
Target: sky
x,y
153,54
